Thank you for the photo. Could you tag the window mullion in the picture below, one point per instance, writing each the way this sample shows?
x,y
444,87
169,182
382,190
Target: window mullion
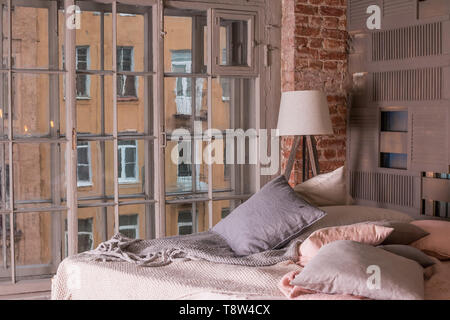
x,y
54,131
210,98
115,117
158,119
71,145
10,144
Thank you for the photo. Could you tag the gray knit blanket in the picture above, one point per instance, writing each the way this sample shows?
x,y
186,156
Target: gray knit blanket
x,y
205,245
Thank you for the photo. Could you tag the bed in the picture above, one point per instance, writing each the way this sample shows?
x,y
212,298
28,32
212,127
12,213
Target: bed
x,y
82,278
194,280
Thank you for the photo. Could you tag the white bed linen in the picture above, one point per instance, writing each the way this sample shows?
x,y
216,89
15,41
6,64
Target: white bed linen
x,y
194,280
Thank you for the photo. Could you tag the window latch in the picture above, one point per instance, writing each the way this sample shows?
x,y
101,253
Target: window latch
x,y
163,140
74,139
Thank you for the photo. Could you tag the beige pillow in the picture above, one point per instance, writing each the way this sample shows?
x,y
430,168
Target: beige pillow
x,y
437,243
366,233
328,189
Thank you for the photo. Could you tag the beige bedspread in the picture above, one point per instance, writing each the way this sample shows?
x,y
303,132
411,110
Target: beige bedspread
x,y
79,279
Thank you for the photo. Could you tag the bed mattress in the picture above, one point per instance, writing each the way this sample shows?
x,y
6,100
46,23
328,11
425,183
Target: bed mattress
x,y
78,278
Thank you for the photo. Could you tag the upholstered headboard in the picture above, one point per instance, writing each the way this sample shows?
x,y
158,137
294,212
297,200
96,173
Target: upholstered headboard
x,y
399,116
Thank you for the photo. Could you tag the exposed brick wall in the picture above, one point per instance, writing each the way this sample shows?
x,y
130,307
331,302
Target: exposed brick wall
x,y
314,57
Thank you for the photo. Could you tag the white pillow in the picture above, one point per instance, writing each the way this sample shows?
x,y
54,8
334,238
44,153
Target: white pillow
x,y
328,189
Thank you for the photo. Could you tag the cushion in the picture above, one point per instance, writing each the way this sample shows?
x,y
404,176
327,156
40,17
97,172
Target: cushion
x,y
268,220
368,233
409,253
328,189
346,215
349,267
404,233
437,243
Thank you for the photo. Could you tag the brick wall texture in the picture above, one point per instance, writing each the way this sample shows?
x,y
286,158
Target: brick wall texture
x,y
314,57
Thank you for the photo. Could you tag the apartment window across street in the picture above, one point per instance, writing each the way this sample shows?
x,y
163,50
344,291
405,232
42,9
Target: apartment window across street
x,y
90,118
129,225
185,225
126,84
85,235
82,60
128,166
84,173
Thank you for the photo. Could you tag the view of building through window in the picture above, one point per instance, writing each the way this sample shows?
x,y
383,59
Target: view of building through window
x,y
196,196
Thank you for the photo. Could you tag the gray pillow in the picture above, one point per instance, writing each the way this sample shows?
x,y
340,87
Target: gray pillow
x,y
344,267
404,233
268,220
409,253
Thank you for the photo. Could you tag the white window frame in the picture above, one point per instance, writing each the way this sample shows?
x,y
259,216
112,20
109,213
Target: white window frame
x,y
123,148
85,183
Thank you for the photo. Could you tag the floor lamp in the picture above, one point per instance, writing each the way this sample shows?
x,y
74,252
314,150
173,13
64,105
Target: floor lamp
x,y
304,114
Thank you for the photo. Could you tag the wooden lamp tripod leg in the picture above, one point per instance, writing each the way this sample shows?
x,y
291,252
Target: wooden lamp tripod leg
x,y
309,145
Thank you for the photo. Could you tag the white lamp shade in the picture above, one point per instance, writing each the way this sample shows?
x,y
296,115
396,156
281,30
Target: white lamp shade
x,y
304,113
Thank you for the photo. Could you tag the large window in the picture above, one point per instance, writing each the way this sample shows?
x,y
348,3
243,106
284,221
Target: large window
x,y
89,115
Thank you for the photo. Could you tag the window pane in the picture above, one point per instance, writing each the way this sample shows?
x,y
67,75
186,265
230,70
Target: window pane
x,y
186,218
134,105
129,225
31,105
180,55
36,167
183,174
134,220
30,37
181,95
233,42
83,174
233,108
133,166
131,37
4,94
130,171
130,154
94,111
4,176
33,238
83,155
89,34
93,224
5,252
100,186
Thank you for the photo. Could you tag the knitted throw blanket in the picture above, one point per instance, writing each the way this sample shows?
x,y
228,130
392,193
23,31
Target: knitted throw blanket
x,y
160,252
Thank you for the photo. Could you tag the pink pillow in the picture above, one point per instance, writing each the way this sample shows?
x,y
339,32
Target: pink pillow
x,y
366,233
437,243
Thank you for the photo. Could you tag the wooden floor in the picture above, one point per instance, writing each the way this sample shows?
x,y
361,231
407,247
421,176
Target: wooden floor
x,y
26,290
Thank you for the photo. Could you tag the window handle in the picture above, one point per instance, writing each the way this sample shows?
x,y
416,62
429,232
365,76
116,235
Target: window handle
x,y
74,139
164,140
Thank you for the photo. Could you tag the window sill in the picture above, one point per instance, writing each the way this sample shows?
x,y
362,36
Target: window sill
x,y
127,99
14,290
85,185
128,182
